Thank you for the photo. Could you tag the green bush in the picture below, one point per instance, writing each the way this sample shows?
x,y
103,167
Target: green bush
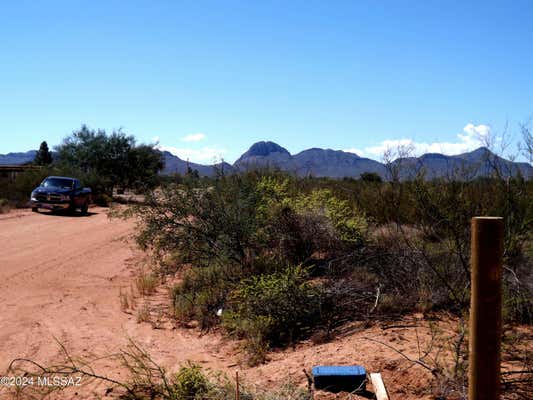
x,y
238,233
347,221
273,310
202,292
102,200
191,383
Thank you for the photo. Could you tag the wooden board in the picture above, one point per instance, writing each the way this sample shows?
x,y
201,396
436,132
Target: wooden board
x,y
379,386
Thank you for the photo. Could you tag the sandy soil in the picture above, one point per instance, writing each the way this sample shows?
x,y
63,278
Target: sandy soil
x,y
60,279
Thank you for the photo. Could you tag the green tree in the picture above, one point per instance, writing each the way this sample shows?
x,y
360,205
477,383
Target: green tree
x,y
43,156
144,162
110,160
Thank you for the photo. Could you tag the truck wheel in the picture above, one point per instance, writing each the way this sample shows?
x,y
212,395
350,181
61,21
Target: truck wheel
x,y
85,208
34,209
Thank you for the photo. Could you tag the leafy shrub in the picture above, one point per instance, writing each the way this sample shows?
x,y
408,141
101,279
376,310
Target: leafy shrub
x,y
298,225
102,200
275,309
238,234
200,223
191,383
347,221
202,292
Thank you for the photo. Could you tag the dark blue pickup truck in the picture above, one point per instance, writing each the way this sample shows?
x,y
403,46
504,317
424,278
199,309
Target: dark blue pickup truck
x,y
61,193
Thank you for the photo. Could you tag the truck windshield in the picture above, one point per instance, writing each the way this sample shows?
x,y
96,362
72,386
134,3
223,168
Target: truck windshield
x,y
58,183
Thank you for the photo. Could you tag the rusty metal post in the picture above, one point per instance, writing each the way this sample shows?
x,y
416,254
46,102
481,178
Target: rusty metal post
x,y
485,308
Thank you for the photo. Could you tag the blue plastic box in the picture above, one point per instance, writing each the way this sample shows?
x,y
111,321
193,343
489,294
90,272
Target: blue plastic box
x,y
337,378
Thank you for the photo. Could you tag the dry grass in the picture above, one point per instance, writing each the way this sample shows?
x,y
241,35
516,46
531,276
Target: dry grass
x,y
125,303
146,283
143,313
128,299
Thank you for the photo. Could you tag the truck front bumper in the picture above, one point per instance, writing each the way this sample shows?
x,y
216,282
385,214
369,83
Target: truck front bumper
x,y
50,206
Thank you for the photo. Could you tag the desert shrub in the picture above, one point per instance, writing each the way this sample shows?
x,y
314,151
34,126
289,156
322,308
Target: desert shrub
x,y
200,223
4,205
518,288
102,200
348,223
191,383
297,225
430,253
236,227
202,292
241,217
273,310
415,275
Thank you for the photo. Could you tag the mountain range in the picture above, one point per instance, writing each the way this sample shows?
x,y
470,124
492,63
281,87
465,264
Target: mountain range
x,y
17,158
335,163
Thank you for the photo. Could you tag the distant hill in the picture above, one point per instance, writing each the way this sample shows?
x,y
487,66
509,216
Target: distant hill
x,y
336,163
175,165
480,162
17,158
316,162
262,154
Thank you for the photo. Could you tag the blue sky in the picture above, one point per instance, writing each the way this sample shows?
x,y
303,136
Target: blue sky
x,y
207,79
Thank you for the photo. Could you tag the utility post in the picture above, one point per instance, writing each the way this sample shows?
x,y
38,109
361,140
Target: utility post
x,y
485,308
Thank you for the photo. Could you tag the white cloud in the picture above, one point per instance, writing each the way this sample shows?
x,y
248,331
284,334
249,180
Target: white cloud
x,y
473,136
354,150
195,137
202,155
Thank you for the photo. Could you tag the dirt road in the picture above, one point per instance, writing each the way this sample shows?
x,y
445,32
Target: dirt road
x,y
60,278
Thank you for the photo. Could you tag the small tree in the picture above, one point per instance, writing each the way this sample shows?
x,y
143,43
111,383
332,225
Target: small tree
x,y
110,160
371,177
43,156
